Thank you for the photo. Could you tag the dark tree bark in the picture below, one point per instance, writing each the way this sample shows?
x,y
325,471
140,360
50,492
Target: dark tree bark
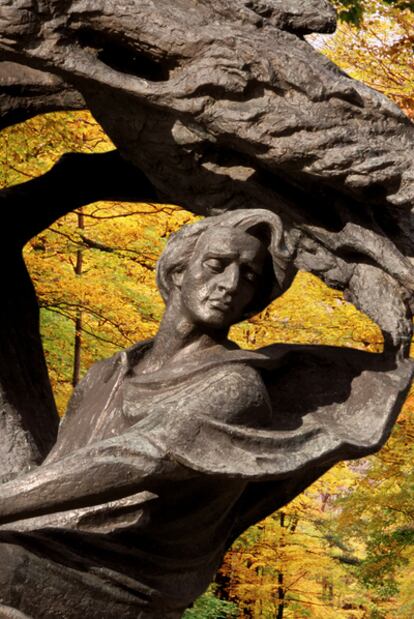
x,y
25,92
79,313
281,596
280,578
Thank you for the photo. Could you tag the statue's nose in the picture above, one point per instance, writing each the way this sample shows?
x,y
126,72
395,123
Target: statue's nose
x,y
230,278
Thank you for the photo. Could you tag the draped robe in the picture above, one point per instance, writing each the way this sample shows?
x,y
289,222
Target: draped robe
x,y
153,476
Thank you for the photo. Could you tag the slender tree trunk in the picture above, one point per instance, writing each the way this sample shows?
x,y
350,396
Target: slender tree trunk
x,y
280,578
281,596
78,319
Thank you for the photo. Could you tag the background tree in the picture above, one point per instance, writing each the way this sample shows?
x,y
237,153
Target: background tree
x,y
353,11
379,51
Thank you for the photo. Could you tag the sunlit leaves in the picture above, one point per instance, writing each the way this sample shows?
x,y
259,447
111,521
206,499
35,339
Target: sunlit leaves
x,y
379,52
350,10
209,606
310,313
353,11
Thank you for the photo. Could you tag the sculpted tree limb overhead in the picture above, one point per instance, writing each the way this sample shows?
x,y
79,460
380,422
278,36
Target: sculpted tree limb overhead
x,y
25,92
233,75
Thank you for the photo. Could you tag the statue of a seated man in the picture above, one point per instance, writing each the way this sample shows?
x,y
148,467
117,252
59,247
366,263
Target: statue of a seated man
x,y
169,450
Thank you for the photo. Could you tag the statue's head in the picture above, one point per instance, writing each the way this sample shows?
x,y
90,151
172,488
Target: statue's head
x,y
226,268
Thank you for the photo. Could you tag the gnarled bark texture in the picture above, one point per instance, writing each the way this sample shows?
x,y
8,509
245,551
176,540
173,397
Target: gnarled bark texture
x,y
25,92
223,104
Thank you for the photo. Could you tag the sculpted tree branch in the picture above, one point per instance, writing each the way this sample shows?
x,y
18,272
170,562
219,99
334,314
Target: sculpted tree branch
x,y
77,179
25,92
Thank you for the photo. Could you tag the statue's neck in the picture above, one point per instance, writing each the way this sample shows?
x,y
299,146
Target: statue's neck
x,y
177,339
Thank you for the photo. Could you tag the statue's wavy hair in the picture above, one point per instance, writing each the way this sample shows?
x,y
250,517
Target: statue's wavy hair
x,y
278,271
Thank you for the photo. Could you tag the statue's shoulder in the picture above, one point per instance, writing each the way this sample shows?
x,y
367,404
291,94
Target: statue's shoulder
x,y
245,374
100,371
235,391
90,399
103,370
234,366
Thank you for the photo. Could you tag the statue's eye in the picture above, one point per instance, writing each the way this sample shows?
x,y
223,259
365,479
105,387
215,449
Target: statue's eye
x,y
249,275
215,265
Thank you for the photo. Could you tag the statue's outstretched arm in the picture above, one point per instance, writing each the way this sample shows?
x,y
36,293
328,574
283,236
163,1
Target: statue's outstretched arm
x,y
140,459
108,470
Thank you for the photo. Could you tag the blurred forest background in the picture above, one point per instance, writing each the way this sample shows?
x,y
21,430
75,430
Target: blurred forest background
x,y
344,548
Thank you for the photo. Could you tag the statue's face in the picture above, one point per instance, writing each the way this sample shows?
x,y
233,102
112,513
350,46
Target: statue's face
x,y
222,277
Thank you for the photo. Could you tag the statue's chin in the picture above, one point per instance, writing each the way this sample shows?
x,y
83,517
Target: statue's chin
x,y
216,319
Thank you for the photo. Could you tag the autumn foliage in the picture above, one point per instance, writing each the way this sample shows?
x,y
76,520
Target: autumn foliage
x,y
379,52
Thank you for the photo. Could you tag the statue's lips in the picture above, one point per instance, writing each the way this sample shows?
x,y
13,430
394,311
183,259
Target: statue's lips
x,y
221,304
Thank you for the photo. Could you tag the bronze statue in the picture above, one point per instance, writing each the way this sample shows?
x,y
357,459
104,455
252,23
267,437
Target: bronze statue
x,y
171,449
